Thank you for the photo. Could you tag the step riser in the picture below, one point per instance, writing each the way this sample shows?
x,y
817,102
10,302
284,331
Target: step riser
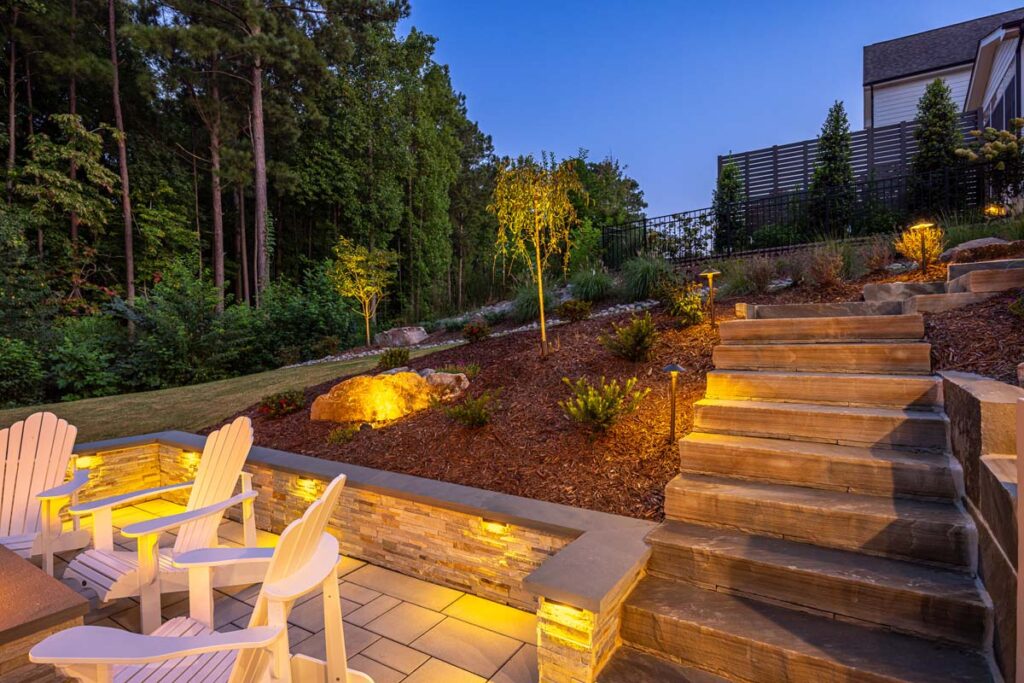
x,y
898,291
959,269
903,392
995,280
890,537
851,308
937,303
909,327
878,478
895,358
907,430
904,611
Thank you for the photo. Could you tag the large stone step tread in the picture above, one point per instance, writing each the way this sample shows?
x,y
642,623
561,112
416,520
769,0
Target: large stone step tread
x,y
892,357
903,596
748,640
898,291
924,391
870,425
937,303
629,665
994,280
844,308
873,470
916,530
843,328
959,269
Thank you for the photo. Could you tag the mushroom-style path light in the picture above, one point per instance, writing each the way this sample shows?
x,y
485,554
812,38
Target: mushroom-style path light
x,y
710,275
673,370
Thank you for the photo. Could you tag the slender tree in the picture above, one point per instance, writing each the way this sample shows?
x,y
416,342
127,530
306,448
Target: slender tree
x,y
726,204
122,156
832,190
363,274
12,59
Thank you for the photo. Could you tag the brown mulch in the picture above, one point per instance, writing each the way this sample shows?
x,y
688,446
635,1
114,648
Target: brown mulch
x,y
985,338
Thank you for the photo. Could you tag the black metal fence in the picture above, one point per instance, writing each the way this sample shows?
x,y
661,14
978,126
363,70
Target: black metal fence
x,y
776,223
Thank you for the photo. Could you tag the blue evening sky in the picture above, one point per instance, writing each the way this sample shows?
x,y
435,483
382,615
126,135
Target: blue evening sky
x,y
666,86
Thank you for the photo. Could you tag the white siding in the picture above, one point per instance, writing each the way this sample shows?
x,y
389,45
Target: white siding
x,y
898,102
1002,62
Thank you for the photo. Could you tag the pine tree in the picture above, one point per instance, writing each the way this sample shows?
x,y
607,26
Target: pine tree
x,y
938,136
726,205
832,190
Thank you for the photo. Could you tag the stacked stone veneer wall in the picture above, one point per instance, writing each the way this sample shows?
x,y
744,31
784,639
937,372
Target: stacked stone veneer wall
x,y
15,666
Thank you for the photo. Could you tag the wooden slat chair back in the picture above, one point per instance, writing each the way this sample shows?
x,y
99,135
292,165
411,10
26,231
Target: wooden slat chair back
x,y
34,455
223,456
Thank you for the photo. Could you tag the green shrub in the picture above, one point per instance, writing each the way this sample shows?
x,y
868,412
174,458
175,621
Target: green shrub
x,y
83,363
574,311
328,345
526,307
21,374
453,324
476,331
473,412
633,340
774,236
877,254
392,358
282,403
495,317
686,303
340,436
470,370
734,279
760,272
793,267
825,267
643,276
598,407
591,285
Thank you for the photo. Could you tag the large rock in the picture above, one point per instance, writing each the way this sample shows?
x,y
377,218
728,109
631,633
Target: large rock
x,y
377,399
951,254
400,336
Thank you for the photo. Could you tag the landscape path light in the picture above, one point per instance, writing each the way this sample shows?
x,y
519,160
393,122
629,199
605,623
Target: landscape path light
x,y
710,275
673,370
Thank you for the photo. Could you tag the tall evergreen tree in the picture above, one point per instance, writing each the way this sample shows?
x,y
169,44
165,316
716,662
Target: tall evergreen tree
x,y
727,207
938,129
832,189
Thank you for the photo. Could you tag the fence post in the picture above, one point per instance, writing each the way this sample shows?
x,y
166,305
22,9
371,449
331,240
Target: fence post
x,y
1019,656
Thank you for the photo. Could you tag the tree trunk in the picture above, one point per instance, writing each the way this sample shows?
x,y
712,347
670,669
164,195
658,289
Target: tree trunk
x,y
243,248
11,112
260,180
73,110
195,205
122,159
215,189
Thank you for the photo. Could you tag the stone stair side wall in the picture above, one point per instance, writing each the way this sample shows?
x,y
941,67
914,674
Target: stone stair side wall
x,y
982,414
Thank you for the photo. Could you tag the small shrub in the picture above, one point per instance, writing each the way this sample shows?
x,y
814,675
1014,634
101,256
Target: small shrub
x,y
877,254
526,307
454,324
473,412
643,276
734,279
282,403
921,244
495,317
392,358
591,285
633,340
598,407
326,346
83,363
470,370
21,373
289,355
476,330
824,267
340,436
686,303
574,311
761,272
793,267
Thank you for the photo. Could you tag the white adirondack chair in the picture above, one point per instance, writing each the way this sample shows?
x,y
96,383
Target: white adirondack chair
x,y
187,649
34,457
149,571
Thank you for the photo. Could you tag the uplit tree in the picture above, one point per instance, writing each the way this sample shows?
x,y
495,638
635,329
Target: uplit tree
x,y
533,204
362,274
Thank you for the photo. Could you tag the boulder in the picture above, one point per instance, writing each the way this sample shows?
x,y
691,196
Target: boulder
x,y
448,385
400,336
951,254
373,399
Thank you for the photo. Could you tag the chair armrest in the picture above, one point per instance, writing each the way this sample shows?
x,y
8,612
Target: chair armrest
x,y
125,498
154,526
80,479
216,557
112,646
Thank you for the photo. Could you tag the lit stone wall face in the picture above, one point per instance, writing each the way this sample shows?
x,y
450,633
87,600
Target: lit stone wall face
x,y
118,471
15,666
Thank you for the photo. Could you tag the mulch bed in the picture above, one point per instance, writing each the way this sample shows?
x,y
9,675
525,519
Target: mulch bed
x,y
985,338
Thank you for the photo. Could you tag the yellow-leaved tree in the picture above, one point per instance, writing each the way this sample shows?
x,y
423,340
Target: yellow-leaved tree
x,y
533,204
362,274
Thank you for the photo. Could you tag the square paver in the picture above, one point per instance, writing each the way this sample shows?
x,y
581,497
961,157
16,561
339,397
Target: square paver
x,y
467,646
522,668
160,507
436,671
349,565
233,531
356,640
395,655
404,587
310,614
405,623
357,593
508,621
375,670
371,610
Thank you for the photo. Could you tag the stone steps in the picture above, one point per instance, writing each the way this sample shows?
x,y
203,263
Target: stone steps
x,y
748,640
898,291
843,308
901,596
630,665
897,391
937,303
916,530
982,281
848,425
842,328
876,471
894,357
958,269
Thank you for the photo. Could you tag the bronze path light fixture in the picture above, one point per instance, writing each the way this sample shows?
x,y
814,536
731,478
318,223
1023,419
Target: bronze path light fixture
x,y
710,274
673,370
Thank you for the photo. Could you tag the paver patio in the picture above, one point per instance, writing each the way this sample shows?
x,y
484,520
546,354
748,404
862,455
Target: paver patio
x,y
397,628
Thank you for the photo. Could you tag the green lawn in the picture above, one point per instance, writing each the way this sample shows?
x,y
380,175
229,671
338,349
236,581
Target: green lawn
x,y
186,408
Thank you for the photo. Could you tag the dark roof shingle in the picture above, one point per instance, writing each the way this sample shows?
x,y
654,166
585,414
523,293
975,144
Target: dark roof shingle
x,y
935,49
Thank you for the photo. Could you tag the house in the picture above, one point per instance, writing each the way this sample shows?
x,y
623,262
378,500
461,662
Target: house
x,y
979,60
